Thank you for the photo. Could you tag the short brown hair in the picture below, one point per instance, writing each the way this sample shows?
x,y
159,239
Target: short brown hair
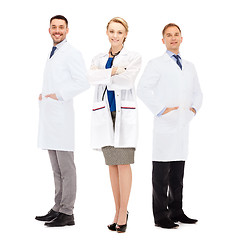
x,y
170,25
59,17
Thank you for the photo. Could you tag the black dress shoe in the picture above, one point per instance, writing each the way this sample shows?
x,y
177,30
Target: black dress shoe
x,y
48,217
183,219
122,228
61,221
166,223
112,226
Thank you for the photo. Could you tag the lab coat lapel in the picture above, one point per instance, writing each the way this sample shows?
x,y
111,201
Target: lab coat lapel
x,y
58,52
119,58
172,62
103,60
184,65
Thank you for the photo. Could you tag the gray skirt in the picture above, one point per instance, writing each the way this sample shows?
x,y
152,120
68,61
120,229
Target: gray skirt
x,y
118,156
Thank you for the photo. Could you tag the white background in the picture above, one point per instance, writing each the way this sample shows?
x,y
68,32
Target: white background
x,y
212,185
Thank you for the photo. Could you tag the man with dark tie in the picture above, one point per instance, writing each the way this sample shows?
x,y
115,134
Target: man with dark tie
x,y
64,78
169,87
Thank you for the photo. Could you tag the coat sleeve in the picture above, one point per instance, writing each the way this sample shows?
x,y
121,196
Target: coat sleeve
x,y
78,77
126,79
98,76
197,93
146,88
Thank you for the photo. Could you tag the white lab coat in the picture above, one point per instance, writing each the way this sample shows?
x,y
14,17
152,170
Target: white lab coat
x,y
64,75
164,84
126,127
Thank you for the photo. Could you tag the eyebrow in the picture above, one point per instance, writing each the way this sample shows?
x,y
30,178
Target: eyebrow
x,y
171,33
56,25
116,30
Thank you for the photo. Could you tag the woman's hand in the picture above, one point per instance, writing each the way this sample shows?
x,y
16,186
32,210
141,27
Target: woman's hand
x,y
114,71
40,97
93,67
117,70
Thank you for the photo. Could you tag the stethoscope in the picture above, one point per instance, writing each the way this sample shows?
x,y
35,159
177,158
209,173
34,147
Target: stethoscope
x,y
113,55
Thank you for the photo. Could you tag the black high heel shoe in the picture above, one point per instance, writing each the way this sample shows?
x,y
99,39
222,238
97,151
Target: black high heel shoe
x,y
122,228
112,227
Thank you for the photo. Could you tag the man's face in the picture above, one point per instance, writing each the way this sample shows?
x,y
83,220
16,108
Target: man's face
x,y
172,39
58,30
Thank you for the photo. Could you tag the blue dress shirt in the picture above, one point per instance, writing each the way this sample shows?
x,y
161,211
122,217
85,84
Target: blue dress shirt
x,y
111,94
172,57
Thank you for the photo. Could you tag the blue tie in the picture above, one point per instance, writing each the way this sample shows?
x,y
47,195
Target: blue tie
x,y
178,61
53,51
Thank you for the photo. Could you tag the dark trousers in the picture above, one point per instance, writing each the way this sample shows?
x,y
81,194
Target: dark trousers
x,y
167,180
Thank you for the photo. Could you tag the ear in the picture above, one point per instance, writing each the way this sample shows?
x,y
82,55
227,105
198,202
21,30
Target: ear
x,y
67,30
49,30
163,41
181,39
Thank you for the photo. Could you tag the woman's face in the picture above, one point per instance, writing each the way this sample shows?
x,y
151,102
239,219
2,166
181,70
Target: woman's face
x,y
116,34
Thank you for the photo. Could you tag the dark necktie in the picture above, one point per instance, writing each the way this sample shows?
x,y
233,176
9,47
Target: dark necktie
x,y
178,61
53,51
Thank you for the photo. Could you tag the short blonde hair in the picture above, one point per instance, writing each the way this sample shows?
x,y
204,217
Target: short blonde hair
x,y
121,21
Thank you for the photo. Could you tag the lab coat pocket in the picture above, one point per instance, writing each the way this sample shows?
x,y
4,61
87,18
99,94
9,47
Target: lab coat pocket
x,y
47,107
59,113
56,129
99,106
129,112
188,116
128,124
54,107
191,115
170,118
102,127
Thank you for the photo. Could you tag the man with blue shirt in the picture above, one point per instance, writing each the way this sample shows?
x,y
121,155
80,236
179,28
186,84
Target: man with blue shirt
x,y
169,87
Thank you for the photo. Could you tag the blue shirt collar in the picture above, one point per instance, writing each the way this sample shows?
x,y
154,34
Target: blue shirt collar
x,y
171,53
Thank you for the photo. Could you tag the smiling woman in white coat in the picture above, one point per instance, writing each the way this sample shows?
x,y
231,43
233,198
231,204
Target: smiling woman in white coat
x,y
114,114
64,78
169,87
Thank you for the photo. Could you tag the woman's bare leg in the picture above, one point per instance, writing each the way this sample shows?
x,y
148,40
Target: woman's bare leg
x,y
114,178
125,182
